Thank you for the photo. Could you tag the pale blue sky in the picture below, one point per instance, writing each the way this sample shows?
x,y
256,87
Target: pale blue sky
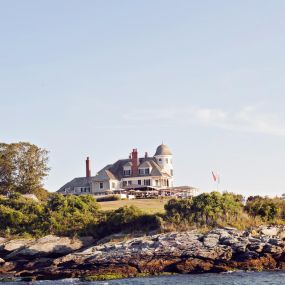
x,y
98,78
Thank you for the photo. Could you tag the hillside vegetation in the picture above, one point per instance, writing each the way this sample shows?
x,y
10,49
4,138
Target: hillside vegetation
x,y
81,215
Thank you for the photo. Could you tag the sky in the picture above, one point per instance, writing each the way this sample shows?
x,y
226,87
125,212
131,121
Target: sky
x,y
98,78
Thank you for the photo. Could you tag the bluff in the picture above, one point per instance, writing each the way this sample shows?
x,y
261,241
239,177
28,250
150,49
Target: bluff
x,y
219,250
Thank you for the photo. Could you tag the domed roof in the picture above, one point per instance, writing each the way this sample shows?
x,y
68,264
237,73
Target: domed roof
x,y
163,150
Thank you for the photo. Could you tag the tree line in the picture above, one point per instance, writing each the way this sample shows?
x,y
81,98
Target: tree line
x,y
81,215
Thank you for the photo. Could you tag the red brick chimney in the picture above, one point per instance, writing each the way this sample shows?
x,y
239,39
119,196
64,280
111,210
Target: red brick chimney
x,y
88,171
135,162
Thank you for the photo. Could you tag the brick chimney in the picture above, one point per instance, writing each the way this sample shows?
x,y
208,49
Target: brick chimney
x,y
135,162
88,171
146,155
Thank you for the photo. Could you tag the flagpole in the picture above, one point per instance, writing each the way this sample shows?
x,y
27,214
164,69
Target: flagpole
x,y
216,178
218,182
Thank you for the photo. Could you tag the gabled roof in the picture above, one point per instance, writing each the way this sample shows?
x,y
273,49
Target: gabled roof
x,y
77,182
117,169
104,174
129,163
145,164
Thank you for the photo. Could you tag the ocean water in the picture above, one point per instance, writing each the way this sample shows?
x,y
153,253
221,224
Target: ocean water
x,y
236,278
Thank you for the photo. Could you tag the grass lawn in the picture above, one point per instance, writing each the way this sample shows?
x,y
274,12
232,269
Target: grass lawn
x,y
147,205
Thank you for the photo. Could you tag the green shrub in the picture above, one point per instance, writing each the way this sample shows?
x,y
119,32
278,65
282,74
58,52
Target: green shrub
x,y
269,210
127,219
207,209
108,198
59,215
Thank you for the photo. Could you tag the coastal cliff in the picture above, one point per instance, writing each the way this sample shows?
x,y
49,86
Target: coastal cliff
x,y
219,250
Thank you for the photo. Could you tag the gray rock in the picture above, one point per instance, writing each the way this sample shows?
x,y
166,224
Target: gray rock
x,y
257,247
276,241
239,247
273,249
211,240
229,241
48,245
16,244
269,231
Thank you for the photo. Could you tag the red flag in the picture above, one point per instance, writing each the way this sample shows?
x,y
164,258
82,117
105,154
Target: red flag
x,y
214,176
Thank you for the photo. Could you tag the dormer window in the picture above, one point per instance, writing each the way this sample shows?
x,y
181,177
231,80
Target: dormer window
x,y
144,171
127,172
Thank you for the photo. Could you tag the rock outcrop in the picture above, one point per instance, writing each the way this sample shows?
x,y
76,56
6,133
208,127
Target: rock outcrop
x,y
185,252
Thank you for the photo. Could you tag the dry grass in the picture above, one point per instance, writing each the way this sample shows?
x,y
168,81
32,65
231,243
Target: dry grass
x,y
150,206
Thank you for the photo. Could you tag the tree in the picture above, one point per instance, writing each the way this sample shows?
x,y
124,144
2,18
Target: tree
x,y
266,208
209,209
23,167
7,168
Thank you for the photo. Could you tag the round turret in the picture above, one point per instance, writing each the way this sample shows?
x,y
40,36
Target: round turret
x,y
163,156
163,149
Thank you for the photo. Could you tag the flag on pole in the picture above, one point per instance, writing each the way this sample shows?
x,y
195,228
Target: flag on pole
x,y
216,177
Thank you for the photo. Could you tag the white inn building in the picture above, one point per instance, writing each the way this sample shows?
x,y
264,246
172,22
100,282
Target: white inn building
x,y
139,173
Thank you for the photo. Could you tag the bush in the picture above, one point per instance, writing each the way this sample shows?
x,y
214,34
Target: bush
x,y
207,209
127,219
108,198
60,215
269,210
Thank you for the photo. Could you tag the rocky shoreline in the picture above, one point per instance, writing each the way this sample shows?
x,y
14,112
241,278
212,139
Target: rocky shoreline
x,y
219,250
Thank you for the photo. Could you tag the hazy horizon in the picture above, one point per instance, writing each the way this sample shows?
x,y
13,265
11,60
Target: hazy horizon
x,y
98,78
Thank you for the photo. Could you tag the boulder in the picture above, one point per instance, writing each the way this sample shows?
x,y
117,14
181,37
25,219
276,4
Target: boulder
x,y
269,231
273,249
256,246
49,246
211,240
16,244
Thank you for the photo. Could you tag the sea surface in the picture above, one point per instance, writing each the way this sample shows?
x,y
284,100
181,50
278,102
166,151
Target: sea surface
x,y
236,278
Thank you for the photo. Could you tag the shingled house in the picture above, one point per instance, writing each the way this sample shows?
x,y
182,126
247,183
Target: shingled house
x,y
139,173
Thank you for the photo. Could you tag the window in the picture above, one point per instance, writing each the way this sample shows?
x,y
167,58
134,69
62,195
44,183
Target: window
x,y
160,159
141,171
146,171
127,172
81,189
171,171
113,185
166,160
101,185
124,183
147,182
156,182
139,182
130,182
